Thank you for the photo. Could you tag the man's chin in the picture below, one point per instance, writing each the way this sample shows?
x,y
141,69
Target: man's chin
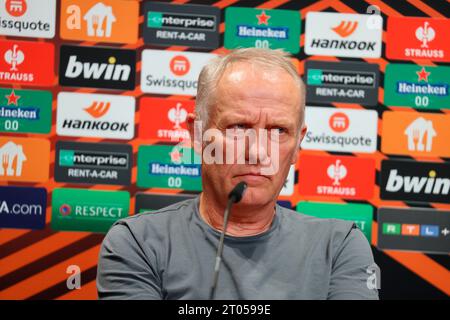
x,y
256,196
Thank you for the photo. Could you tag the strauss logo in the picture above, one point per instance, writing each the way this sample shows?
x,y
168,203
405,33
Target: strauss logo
x,y
14,57
337,172
425,34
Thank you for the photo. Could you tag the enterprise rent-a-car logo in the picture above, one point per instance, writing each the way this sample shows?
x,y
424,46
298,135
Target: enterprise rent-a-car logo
x,y
196,26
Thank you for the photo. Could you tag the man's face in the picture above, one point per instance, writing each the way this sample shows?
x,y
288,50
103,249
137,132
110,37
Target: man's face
x,y
251,97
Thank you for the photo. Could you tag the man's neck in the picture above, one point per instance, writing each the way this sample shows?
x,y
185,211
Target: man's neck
x,y
242,221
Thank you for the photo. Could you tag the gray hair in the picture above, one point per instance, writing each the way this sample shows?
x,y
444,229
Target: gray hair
x,y
212,72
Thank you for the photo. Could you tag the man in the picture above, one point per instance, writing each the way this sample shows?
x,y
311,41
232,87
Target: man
x,y
270,252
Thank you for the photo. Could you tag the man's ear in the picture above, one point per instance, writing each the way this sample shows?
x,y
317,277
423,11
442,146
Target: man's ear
x,y
191,124
302,134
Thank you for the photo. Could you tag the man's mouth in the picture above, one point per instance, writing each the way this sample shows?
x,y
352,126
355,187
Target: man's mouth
x,y
252,177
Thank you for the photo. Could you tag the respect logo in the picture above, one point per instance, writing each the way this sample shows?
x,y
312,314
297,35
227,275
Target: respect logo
x,y
88,210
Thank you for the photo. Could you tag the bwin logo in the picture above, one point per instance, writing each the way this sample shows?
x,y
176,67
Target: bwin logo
x,y
414,184
95,71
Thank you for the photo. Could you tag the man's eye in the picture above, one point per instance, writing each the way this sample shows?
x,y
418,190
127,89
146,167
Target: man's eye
x,y
238,126
280,130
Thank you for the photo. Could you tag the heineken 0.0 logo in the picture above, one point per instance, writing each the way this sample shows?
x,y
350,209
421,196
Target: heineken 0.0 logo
x,y
25,111
421,87
262,28
168,167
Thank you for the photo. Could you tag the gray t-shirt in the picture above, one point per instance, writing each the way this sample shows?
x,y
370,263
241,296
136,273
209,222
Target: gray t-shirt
x,y
170,254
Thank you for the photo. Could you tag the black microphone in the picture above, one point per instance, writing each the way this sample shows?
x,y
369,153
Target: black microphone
x,y
233,197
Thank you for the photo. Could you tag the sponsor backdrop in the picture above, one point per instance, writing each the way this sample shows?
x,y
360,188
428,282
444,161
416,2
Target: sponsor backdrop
x,y
94,96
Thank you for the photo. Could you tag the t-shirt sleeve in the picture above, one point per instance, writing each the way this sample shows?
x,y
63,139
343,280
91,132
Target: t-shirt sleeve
x,y
124,271
353,265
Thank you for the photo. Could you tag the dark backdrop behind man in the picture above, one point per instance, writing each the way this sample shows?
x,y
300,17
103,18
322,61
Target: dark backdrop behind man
x,y
270,252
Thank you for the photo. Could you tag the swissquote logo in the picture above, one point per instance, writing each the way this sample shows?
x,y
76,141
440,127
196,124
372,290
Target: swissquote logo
x,y
95,115
97,67
28,18
345,130
19,63
185,25
415,181
164,119
343,34
416,134
114,21
422,38
169,72
336,176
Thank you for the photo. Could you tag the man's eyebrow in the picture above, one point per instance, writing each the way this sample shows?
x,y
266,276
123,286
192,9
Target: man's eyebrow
x,y
243,118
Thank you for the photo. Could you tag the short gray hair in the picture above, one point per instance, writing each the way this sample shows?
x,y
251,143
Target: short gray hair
x,y
212,72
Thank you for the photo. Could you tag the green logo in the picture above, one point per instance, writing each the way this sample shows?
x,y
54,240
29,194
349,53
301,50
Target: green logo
x,y
66,158
154,19
262,28
314,77
361,214
421,87
25,111
88,210
168,167
391,228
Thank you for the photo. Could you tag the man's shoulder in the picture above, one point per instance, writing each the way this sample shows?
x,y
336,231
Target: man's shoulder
x,y
158,219
310,227
300,220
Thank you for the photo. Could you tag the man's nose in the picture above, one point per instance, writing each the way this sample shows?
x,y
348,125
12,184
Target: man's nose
x,y
256,150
